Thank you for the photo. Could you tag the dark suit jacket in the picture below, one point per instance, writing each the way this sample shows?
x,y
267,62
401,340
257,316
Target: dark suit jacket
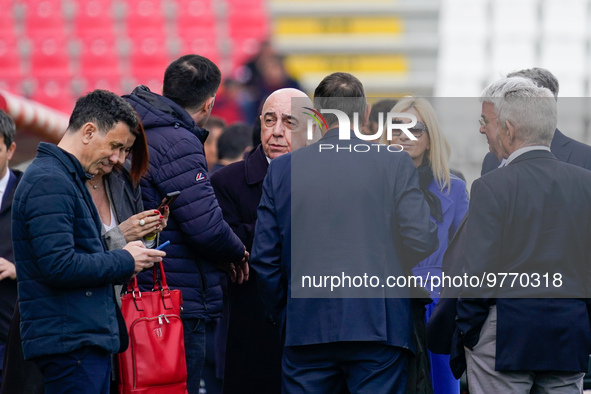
x,y
531,216
7,286
564,148
253,355
338,199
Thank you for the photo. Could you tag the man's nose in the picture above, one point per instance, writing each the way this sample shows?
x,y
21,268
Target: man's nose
x,y
279,129
481,130
115,157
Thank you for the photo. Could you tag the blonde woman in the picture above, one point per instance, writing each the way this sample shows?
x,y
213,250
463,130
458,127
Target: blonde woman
x,y
447,198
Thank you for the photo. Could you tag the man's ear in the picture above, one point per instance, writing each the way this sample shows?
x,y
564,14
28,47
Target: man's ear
x,y
11,150
510,130
208,105
88,132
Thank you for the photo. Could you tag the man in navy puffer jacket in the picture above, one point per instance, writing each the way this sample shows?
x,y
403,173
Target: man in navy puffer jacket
x,y
69,317
201,241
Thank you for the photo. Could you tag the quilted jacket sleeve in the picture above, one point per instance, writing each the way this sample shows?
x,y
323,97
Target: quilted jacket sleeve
x,y
196,211
62,255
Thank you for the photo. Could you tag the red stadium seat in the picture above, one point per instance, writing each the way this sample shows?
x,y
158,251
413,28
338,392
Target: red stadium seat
x,y
148,58
50,58
144,16
99,58
10,59
94,18
200,46
244,49
105,83
12,85
195,21
6,21
248,25
245,4
44,18
54,93
10,63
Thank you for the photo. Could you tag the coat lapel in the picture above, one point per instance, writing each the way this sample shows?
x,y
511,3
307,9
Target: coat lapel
x,y
255,166
8,193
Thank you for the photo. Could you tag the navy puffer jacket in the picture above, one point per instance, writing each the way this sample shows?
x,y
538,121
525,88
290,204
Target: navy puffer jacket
x,y
199,236
65,274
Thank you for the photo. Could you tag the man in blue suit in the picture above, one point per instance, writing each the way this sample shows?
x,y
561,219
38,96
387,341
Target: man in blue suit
x,y
564,148
354,211
531,217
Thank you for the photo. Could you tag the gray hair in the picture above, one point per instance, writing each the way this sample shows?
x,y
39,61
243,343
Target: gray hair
x,y
540,76
530,109
7,128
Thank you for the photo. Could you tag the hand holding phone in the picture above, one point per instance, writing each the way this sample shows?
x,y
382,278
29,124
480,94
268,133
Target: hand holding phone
x,y
168,200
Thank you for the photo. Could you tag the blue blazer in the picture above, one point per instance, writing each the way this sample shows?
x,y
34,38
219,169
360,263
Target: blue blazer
x,y
382,196
564,148
532,216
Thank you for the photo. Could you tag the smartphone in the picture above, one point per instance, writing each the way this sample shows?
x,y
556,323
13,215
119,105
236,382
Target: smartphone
x,y
168,200
162,246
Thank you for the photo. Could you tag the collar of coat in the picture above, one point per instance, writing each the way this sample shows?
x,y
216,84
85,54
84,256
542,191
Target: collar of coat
x,y
160,111
255,165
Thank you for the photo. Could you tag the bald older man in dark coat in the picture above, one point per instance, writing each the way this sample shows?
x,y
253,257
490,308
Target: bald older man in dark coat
x,y
254,350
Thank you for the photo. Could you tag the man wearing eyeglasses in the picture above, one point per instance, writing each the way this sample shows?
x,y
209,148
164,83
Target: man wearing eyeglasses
x,y
528,220
564,148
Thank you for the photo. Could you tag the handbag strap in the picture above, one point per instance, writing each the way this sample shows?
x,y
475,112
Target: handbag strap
x,y
133,288
162,285
159,284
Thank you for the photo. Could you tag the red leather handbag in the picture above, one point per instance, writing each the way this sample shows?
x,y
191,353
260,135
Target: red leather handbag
x,y
154,362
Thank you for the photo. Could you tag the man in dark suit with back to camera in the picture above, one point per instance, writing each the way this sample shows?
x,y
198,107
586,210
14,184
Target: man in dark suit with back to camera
x,y
564,148
531,217
354,210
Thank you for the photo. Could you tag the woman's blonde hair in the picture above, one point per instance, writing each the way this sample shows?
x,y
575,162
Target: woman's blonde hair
x,y
439,151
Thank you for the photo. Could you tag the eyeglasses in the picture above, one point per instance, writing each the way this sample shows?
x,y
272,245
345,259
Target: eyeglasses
x,y
483,121
417,130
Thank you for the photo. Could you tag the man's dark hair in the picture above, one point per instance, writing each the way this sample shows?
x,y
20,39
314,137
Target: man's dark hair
x,y
104,108
190,80
341,91
383,106
540,76
7,128
234,140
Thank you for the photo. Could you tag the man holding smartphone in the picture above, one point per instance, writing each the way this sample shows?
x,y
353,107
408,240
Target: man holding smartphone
x,y
201,241
69,319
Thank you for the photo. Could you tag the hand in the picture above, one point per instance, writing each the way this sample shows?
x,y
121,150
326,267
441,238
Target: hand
x,y
143,257
163,221
240,271
244,268
7,269
132,230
